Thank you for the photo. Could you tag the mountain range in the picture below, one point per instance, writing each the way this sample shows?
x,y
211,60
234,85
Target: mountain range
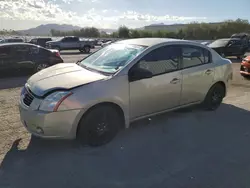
x,y
44,30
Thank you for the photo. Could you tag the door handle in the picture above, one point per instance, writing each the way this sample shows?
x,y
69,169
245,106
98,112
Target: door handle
x,y
175,81
208,71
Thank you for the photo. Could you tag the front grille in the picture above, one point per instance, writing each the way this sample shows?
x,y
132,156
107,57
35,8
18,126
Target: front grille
x,y
28,98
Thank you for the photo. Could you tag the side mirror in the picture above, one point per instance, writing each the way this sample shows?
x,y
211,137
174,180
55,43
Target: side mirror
x,y
139,74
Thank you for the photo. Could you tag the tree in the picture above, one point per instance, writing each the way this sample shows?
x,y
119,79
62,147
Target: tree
x,y
192,31
123,32
134,34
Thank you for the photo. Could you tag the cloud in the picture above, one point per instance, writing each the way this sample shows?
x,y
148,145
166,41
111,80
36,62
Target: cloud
x,y
49,11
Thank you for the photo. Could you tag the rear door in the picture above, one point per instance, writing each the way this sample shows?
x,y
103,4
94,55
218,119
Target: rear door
x,y
197,73
40,55
75,43
21,56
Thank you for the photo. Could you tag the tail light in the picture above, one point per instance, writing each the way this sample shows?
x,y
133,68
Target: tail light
x,y
57,54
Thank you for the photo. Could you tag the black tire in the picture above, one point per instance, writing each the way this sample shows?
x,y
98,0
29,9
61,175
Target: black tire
x,y
86,49
214,97
99,126
40,67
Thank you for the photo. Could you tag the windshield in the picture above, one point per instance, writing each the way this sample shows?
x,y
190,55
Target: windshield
x,y
111,58
220,42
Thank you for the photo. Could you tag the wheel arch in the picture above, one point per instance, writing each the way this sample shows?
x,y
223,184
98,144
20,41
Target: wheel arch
x,y
112,104
222,84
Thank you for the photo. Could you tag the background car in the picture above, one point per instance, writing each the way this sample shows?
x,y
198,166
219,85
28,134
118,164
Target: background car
x,y
122,82
26,57
70,43
40,41
229,47
12,40
245,67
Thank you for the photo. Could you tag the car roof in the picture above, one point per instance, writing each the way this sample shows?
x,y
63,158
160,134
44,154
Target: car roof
x,y
17,43
153,41
40,38
229,39
20,43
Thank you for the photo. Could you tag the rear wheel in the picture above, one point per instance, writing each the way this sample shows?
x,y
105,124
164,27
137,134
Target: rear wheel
x,y
214,97
41,66
99,126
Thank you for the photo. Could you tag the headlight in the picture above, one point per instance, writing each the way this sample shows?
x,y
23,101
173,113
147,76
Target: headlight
x,y
53,101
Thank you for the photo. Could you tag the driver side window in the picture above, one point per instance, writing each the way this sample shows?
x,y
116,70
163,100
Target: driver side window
x,y
161,60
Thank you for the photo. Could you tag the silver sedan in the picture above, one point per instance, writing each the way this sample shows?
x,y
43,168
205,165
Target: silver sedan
x,y
120,83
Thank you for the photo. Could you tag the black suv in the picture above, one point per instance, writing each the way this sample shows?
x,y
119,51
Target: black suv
x,y
24,56
40,41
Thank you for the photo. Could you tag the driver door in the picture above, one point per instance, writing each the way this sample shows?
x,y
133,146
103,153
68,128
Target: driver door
x,y
162,91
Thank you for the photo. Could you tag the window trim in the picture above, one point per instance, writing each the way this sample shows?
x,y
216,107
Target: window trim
x,y
193,46
167,45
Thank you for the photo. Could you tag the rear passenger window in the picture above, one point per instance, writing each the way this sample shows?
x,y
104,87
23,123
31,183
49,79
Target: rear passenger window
x,y
194,56
44,52
34,50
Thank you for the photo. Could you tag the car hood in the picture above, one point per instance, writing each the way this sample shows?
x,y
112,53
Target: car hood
x,y
61,76
216,46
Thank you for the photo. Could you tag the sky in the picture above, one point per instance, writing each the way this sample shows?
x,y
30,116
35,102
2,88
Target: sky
x,y
24,14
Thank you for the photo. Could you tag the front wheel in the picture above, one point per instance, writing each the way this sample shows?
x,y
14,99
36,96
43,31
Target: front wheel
x,y
99,126
214,97
86,49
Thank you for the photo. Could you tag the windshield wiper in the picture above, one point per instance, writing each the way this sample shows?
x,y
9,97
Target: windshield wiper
x,y
93,70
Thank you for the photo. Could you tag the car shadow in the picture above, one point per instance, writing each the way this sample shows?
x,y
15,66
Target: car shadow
x,y
13,82
187,148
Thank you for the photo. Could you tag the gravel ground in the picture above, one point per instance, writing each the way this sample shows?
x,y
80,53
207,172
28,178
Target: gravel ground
x,y
187,148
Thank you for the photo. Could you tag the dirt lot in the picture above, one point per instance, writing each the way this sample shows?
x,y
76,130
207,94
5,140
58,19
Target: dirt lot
x,y
188,148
